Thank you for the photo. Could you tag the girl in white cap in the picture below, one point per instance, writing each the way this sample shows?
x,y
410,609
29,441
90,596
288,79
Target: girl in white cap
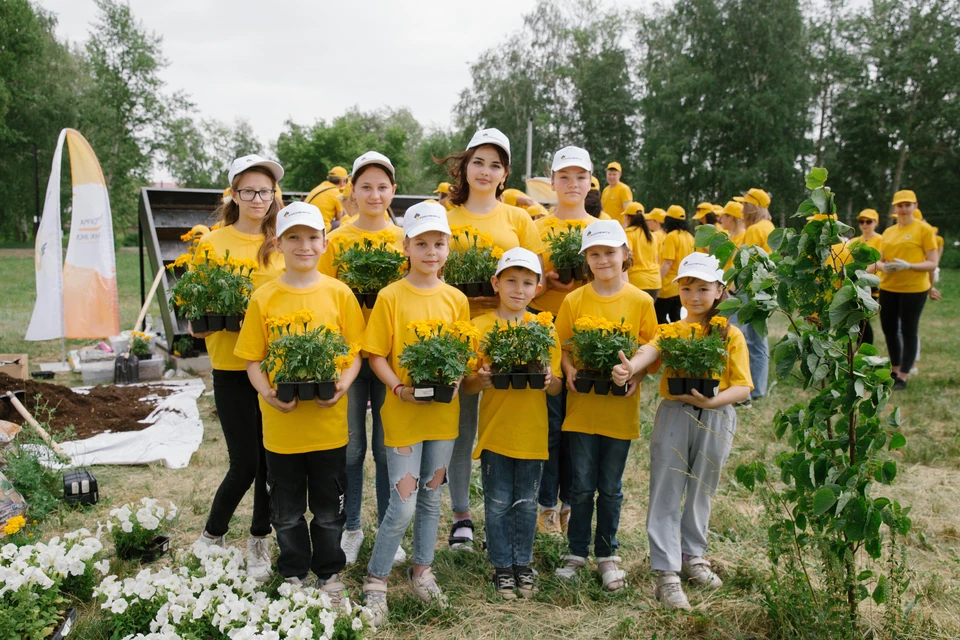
x,y
479,178
696,428
252,205
418,435
600,427
373,187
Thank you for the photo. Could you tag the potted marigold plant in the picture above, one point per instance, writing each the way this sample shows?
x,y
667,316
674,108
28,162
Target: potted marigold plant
x,y
138,530
519,352
441,355
564,240
692,357
593,348
370,265
213,293
140,345
472,262
305,363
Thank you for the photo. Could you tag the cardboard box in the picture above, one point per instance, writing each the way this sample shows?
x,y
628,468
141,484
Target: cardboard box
x,y
14,365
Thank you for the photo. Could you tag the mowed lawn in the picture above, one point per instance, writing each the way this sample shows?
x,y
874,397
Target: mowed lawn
x,y
929,480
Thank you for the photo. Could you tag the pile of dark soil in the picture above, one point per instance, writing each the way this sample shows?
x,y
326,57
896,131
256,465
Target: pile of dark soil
x,y
106,408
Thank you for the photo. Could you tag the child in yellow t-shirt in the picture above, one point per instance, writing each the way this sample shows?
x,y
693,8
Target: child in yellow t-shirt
x,y
600,427
305,442
676,245
644,249
693,430
512,441
419,435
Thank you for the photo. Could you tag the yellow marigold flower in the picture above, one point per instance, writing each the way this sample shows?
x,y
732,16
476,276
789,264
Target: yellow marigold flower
x,y
528,317
544,318
473,364
718,321
496,253
484,239
344,362
305,316
465,329
386,236
585,323
578,224
205,248
13,525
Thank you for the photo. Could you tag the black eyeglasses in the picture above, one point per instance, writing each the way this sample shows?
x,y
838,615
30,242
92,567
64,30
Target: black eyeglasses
x,y
247,195
866,221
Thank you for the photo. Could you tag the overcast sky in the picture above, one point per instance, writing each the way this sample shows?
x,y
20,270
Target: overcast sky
x,y
310,59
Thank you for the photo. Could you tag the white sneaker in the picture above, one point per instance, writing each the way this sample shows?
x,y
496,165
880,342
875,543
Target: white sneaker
x,y
697,570
334,588
399,557
670,593
374,602
209,541
259,558
350,542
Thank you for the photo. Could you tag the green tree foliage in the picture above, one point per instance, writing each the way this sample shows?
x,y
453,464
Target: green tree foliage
x,y
198,154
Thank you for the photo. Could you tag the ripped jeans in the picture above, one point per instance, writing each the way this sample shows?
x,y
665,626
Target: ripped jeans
x,y
421,461
510,490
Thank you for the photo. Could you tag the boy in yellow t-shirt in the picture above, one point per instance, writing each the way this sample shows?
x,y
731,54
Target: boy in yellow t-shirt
x,y
305,442
600,427
676,245
419,434
616,195
512,442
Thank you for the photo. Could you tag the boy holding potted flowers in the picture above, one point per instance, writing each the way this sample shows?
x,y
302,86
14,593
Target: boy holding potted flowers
x,y
697,427
305,441
512,441
601,426
418,432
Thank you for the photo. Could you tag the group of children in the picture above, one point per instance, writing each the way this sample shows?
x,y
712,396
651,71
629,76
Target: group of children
x,y
311,453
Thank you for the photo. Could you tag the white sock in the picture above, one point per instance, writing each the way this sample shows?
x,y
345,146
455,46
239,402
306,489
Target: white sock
x,y
462,532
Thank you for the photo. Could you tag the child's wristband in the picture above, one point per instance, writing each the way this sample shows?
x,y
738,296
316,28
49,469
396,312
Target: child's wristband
x,y
398,389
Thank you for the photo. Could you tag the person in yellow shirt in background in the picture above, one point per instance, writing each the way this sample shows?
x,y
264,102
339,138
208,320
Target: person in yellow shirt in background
x,y
594,184
513,432
305,441
253,199
517,198
677,245
655,220
706,214
617,195
908,255
326,196
644,273
867,220
443,195
731,221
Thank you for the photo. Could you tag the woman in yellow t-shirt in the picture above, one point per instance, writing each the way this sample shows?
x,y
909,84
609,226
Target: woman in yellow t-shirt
x,y
372,187
677,245
908,253
252,206
479,178
867,220
645,272
731,221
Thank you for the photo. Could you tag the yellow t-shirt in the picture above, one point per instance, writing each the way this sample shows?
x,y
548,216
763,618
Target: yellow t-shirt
x,y
536,210
614,200
551,299
661,235
645,272
220,345
909,243
509,226
676,246
308,427
758,233
876,241
513,422
736,373
344,237
399,304
326,197
609,415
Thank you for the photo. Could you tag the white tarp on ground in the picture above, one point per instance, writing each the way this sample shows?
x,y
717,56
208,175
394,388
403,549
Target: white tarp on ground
x,y
174,434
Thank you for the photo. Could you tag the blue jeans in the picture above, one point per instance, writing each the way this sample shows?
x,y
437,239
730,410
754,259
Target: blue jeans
x,y
422,461
598,464
556,470
461,461
510,488
759,351
366,386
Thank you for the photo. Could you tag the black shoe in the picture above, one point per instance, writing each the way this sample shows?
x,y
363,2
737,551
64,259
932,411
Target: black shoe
x,y
505,583
899,384
526,581
461,543
744,404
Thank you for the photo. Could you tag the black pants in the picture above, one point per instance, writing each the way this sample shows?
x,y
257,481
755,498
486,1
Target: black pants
x,y
900,316
667,307
239,412
653,293
866,332
317,479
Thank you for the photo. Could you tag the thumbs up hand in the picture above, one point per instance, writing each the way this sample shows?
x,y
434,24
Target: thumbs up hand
x,y
623,371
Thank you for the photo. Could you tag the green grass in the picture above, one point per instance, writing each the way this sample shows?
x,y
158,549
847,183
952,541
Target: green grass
x,y
929,480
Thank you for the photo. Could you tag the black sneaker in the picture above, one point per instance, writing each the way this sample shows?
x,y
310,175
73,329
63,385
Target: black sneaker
x,y
526,581
505,583
744,404
461,542
899,384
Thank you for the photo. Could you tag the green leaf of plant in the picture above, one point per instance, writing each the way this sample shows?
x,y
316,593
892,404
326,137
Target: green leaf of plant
x,y
823,500
897,441
816,178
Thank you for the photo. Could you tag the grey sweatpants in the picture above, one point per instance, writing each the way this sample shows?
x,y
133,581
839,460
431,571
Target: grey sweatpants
x,y
688,448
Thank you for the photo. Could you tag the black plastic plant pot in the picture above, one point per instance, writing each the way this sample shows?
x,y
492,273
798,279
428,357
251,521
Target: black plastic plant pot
x,y
286,391
486,289
501,380
154,550
326,389
434,391
232,323
69,618
602,387
361,297
370,298
472,289
618,390
706,386
537,380
306,390
193,353
199,325
518,380
566,274
146,356
582,383
580,273
216,322
677,386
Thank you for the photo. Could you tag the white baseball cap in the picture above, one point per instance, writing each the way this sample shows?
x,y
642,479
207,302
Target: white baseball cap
x,y
700,266
297,213
253,160
490,136
519,257
607,233
572,157
372,157
423,217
